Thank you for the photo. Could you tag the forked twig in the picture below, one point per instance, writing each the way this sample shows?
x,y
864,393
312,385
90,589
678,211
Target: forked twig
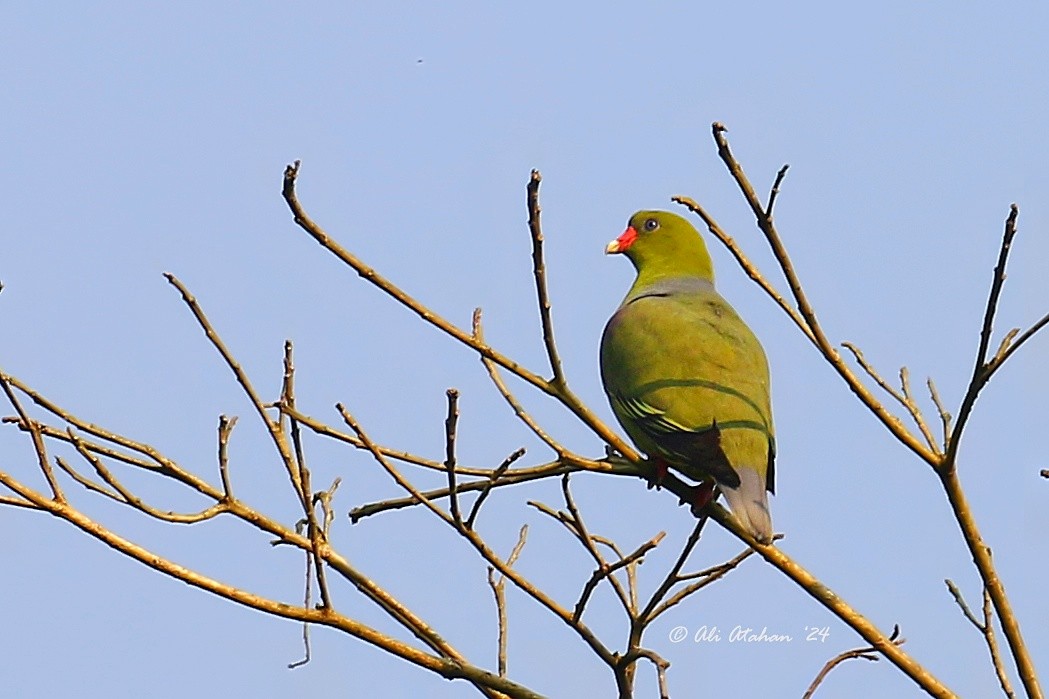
x,y
986,629
865,653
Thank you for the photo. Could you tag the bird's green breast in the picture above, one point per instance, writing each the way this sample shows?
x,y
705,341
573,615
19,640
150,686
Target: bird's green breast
x,y
688,355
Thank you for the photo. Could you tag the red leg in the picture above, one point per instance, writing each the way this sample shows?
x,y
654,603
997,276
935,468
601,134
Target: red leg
x,y
660,466
702,495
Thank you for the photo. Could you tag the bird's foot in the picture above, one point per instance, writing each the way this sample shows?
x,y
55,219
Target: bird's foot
x,y
701,496
659,468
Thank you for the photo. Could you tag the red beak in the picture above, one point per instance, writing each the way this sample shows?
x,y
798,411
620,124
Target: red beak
x,y
623,242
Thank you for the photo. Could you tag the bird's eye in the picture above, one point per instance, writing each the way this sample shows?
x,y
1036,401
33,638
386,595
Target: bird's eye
x,y
651,224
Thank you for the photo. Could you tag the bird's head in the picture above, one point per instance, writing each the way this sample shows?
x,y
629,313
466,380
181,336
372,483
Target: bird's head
x,y
661,245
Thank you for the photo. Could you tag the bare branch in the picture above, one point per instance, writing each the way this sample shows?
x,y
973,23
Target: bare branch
x,y
992,646
865,653
272,426
129,498
451,667
539,271
945,416
836,605
986,629
752,271
957,594
904,398
992,583
775,190
17,502
226,425
605,571
808,322
487,489
706,577
672,576
388,467
574,523
481,547
508,396
1007,350
38,440
499,591
659,661
89,484
556,390
571,463
450,424
981,373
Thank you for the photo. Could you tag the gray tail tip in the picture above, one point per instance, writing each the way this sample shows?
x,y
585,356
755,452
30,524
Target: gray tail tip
x,y
750,505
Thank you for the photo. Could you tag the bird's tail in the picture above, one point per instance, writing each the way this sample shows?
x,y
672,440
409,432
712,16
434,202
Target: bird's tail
x,y
750,504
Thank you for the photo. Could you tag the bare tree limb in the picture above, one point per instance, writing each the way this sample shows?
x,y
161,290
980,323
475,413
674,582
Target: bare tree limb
x,y
38,440
508,396
558,391
272,426
539,271
808,322
986,629
451,668
499,591
981,374
487,489
659,661
865,653
945,416
903,397
450,425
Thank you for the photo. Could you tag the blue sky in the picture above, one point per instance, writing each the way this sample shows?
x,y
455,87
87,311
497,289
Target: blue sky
x,y
141,139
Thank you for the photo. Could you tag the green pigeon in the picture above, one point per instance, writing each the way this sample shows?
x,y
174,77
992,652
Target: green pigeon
x,y
686,377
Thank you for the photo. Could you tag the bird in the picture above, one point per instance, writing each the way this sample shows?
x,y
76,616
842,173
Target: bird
x,y
685,376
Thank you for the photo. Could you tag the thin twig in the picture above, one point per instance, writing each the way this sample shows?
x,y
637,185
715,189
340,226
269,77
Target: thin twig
x,y
388,467
226,425
662,664
499,591
752,271
607,570
573,521
992,646
571,464
986,629
272,426
450,425
980,373
705,577
775,190
903,397
992,583
487,489
1007,351
508,396
323,429
865,653
17,502
482,548
672,575
129,498
556,390
539,271
38,439
448,666
945,416
809,323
